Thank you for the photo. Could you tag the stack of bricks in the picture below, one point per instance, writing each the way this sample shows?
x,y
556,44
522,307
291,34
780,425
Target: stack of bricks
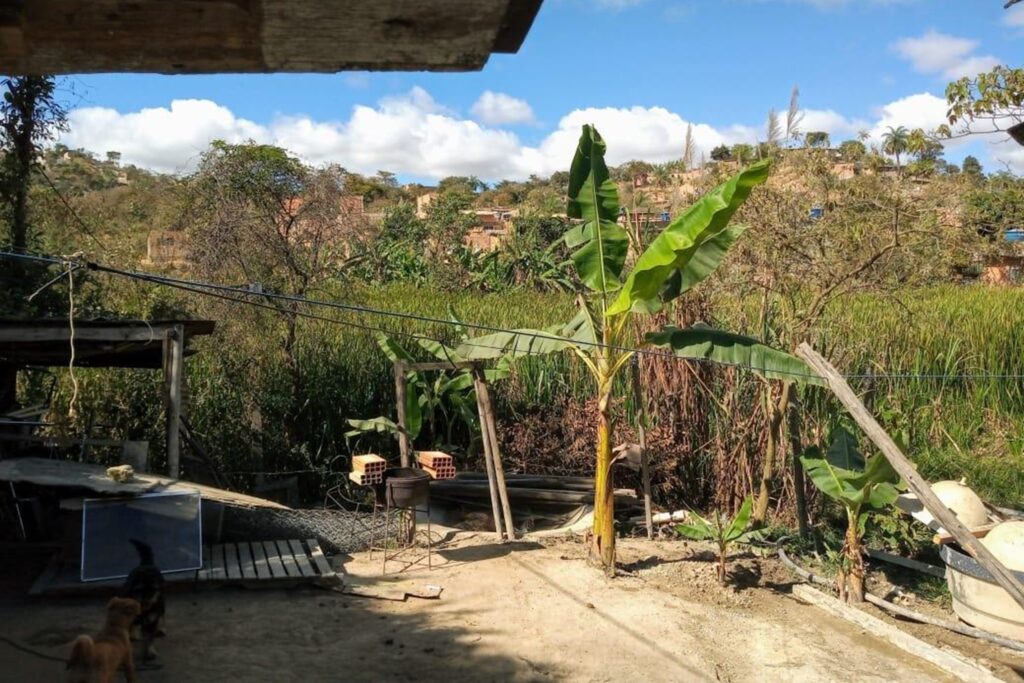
x,y
437,464
367,469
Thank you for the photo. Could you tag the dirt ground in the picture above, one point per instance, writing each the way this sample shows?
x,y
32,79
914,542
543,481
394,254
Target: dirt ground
x,y
526,612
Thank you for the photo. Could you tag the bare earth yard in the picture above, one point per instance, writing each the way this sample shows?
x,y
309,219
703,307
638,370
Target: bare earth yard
x,y
521,613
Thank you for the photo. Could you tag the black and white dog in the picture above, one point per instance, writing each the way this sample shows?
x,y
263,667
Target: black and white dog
x,y
145,584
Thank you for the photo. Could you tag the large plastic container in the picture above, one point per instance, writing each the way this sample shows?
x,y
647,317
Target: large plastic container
x,y
977,599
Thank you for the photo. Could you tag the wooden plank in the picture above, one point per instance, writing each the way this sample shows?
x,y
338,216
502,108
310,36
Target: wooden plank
x,y
204,573
322,565
918,484
404,444
263,572
950,662
488,461
300,558
274,560
290,566
245,561
231,562
174,371
217,570
488,423
978,532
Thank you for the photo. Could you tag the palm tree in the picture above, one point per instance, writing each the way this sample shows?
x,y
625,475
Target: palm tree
x,y
896,141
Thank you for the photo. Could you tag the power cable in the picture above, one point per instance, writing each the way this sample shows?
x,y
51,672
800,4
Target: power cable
x,y
242,296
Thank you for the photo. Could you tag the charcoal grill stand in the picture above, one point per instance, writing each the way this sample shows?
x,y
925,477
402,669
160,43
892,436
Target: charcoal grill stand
x,y
406,537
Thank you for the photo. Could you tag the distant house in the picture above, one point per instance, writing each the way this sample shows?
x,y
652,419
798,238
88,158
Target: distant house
x,y
493,229
423,203
167,248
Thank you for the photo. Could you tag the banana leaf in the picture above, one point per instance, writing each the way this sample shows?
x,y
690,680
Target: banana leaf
x,y
514,344
701,341
599,244
693,243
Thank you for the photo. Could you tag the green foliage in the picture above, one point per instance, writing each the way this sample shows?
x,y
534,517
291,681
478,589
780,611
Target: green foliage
x,y
702,342
852,150
598,244
844,475
722,531
817,139
690,247
987,97
721,153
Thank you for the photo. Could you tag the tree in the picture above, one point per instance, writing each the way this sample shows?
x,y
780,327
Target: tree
x,y
387,179
817,139
852,150
986,103
684,254
896,141
114,157
972,167
30,115
721,153
257,215
742,152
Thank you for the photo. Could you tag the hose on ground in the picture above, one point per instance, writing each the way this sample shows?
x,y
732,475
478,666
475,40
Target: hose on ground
x,y
898,610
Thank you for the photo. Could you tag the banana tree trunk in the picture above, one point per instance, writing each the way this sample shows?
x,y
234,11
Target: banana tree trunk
x,y
776,411
603,548
855,558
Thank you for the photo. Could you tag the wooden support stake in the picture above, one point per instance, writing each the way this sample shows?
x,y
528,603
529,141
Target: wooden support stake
x,y
174,365
488,425
401,389
489,462
641,431
918,484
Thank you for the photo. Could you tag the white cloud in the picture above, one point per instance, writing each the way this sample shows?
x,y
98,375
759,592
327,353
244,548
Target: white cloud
x,y
497,108
163,139
415,136
1014,17
940,53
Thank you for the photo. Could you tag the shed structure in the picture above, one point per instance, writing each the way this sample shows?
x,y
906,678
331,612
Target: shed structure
x,y
156,344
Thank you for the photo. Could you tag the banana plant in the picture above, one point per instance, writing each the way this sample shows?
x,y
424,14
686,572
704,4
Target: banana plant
x,y
859,484
723,531
682,256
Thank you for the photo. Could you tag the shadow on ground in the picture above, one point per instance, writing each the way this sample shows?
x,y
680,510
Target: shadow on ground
x,y
302,634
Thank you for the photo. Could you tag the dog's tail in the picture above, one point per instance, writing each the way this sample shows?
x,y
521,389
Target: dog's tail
x,y
81,652
144,551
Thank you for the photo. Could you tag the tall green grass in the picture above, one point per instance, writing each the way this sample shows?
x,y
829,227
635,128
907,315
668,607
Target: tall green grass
x,y
949,347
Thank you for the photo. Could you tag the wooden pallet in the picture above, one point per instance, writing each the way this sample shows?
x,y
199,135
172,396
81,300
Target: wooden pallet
x,y
253,563
264,561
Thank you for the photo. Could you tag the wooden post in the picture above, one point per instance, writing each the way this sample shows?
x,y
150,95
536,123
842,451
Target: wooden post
x,y
174,365
641,432
487,425
401,389
799,479
489,462
918,484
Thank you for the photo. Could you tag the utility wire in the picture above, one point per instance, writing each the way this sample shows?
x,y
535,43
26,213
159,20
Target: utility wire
x,y
67,205
245,296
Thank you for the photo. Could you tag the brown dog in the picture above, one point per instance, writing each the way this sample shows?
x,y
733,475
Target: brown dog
x,y
96,660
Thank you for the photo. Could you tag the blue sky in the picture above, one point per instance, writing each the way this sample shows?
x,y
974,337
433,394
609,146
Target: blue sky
x,y
642,70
